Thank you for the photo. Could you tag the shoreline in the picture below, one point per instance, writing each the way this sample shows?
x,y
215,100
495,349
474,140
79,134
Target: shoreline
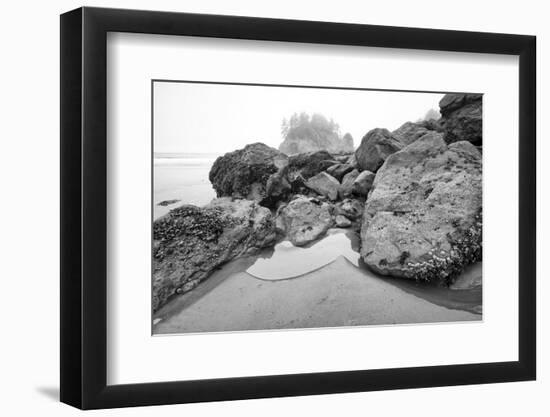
x,y
232,299
335,295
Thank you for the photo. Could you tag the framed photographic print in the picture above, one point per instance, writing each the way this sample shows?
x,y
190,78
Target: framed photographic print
x,y
258,207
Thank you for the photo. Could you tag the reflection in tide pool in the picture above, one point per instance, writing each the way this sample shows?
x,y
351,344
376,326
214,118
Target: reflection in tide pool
x,y
289,261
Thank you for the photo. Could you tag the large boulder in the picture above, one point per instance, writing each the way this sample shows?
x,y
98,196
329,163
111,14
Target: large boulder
x,y
375,147
304,220
461,117
451,102
409,132
191,242
244,173
422,219
324,184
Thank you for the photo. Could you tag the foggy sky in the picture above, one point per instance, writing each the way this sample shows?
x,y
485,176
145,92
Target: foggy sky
x,y
208,118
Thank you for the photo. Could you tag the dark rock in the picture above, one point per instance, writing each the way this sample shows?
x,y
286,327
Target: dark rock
x,y
324,184
462,117
339,170
375,147
363,183
309,164
244,173
422,219
452,102
278,188
167,202
304,166
191,242
304,219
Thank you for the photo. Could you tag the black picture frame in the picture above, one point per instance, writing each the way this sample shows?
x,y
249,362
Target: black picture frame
x,y
84,207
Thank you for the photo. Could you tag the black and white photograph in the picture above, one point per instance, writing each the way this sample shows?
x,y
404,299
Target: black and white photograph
x,y
296,207
269,209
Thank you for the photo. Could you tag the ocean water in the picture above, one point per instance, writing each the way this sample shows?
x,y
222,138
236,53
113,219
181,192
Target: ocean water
x,y
183,177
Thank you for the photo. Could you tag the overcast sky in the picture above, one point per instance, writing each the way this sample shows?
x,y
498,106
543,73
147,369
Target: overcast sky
x,y
208,118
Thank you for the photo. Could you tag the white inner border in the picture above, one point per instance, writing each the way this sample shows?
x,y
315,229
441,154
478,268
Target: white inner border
x,y
134,356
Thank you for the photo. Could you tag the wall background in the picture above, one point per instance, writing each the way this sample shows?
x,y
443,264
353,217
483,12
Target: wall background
x,y
29,175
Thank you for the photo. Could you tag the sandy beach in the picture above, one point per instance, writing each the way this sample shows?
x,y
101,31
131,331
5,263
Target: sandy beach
x,y
338,294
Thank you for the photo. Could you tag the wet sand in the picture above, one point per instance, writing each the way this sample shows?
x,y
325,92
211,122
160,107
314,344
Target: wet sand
x,y
337,294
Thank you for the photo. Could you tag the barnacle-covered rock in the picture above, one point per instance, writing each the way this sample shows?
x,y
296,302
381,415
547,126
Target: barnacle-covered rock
x,y
190,242
422,219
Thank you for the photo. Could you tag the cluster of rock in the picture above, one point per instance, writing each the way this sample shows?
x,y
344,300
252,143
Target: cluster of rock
x,y
414,195
263,174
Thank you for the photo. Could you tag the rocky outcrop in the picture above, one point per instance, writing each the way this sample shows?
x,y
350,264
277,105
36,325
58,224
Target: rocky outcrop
x,y
409,132
422,219
363,183
244,173
304,219
324,184
309,133
461,117
191,242
375,147
347,143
